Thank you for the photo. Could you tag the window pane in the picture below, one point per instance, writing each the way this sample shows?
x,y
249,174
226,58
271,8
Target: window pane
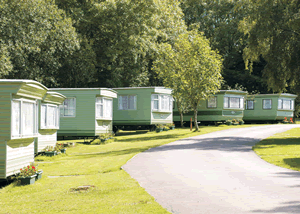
x,y
212,102
15,120
292,104
124,102
171,103
28,118
155,104
226,102
286,104
250,104
69,107
279,103
267,104
43,116
108,109
241,102
131,102
234,102
51,114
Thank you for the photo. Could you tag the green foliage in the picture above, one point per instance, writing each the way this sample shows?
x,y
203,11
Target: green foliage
x,y
35,38
190,68
272,31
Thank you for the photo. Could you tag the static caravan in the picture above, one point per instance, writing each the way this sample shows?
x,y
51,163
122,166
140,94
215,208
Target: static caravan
x,y
142,107
18,123
86,112
48,120
222,106
269,107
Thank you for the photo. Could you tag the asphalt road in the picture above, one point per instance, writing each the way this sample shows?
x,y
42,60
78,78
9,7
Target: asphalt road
x,y
218,173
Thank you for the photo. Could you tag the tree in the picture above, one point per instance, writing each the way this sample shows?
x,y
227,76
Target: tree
x,y
219,21
272,31
125,35
35,37
191,68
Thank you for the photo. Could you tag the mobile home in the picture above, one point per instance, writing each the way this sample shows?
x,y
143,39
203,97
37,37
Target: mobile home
x,y
86,112
222,106
269,107
18,123
48,120
142,107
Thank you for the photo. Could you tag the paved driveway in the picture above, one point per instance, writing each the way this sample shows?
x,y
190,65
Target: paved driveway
x,y
218,173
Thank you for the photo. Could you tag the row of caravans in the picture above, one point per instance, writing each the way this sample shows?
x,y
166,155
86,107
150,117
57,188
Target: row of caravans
x,y
33,116
234,104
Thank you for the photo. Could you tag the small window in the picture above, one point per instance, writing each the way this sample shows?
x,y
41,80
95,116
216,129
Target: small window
x,y
226,105
212,102
292,104
267,104
103,108
49,117
250,104
161,102
24,118
68,108
127,102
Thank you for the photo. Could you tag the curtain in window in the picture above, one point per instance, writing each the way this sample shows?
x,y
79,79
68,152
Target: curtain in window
x,y
51,114
57,117
250,104
279,103
170,103
131,102
234,102
108,108
125,102
43,116
16,119
212,102
155,102
241,102
286,104
99,107
292,104
226,102
267,104
69,107
28,118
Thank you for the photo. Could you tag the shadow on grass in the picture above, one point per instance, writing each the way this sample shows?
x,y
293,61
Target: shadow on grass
x,y
287,207
128,133
280,141
292,162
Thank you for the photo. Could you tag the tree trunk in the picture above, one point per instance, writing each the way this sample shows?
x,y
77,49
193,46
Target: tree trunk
x,y
195,119
181,119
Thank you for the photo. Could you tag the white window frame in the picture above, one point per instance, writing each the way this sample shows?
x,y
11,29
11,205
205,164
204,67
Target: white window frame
x,y
56,121
162,102
121,107
21,119
104,107
263,104
282,100
241,103
62,108
209,102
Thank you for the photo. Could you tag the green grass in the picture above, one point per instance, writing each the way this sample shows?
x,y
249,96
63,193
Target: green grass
x,y
281,149
98,165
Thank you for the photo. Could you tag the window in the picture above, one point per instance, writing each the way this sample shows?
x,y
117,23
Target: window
x,y
163,103
68,108
103,108
286,104
49,117
24,118
234,102
250,104
127,102
212,102
267,104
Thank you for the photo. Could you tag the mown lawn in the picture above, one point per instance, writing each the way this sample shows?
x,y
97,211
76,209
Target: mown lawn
x,y
281,149
113,191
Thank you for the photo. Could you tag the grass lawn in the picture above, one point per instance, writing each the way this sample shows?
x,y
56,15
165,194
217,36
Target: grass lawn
x,y
114,190
281,149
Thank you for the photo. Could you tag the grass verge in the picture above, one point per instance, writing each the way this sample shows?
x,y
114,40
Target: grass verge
x,y
281,149
114,191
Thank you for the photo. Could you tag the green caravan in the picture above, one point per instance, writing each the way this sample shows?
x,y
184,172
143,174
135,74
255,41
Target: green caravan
x,y
222,106
269,107
86,112
142,108
19,103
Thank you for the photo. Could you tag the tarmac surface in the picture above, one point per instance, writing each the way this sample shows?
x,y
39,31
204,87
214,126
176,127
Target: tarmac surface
x,y
218,173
